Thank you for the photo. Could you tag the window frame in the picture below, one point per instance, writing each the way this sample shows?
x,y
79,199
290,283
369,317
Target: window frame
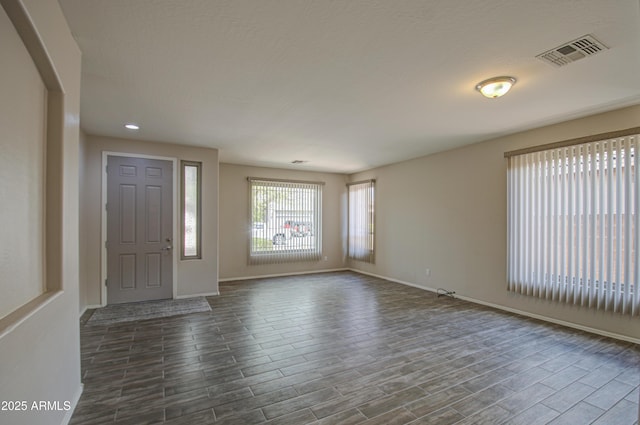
x,y
198,221
567,203
294,254
369,219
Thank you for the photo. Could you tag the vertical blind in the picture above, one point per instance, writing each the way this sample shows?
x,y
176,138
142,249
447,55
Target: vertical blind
x,y
286,221
573,228
361,221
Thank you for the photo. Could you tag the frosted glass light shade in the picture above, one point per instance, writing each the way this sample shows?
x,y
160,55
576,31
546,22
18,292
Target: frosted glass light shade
x,y
495,87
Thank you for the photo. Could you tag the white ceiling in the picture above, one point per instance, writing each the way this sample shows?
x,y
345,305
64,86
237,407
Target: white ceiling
x,y
344,84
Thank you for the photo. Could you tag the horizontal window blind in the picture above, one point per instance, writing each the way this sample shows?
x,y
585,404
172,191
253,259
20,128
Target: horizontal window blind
x,y
286,221
573,228
361,221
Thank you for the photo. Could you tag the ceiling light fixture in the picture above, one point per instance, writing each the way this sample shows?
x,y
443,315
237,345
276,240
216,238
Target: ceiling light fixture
x,y
495,87
132,126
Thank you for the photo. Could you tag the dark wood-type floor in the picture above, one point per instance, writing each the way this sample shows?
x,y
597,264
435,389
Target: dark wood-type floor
x,y
343,348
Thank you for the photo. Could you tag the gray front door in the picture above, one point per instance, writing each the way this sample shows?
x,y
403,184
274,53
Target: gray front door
x,y
139,229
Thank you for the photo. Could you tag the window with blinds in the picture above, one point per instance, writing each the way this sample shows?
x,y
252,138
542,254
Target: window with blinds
x,y
573,228
361,227
286,221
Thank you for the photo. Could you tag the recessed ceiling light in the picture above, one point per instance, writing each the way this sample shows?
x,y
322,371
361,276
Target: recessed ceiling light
x,y
132,126
495,87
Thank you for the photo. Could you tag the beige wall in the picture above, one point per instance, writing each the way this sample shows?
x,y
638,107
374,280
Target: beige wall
x,y
23,123
447,212
195,277
234,219
39,343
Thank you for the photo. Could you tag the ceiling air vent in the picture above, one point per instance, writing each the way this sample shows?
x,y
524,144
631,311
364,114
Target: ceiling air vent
x,y
574,50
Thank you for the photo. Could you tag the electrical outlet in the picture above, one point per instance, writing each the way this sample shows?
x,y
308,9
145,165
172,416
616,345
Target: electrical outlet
x,y
427,272
326,258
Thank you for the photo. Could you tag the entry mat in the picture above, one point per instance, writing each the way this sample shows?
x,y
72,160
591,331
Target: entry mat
x,y
129,312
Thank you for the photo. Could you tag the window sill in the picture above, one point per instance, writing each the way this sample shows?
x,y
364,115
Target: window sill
x,y
24,312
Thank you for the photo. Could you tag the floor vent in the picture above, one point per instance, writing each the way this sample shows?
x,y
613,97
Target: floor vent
x,y
574,50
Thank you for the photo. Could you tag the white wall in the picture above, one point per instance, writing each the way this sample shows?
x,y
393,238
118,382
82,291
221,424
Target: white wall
x,y
235,228
194,276
39,342
447,212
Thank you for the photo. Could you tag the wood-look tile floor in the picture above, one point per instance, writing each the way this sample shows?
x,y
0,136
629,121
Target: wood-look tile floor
x,y
343,348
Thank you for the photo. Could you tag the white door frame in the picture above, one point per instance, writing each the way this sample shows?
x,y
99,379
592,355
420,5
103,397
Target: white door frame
x,y
103,236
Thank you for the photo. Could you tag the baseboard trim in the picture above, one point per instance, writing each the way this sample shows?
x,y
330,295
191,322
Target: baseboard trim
x,y
552,320
204,294
390,279
74,402
88,307
514,310
264,276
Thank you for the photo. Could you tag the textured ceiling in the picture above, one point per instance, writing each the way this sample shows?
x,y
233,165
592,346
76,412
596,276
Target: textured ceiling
x,y
343,84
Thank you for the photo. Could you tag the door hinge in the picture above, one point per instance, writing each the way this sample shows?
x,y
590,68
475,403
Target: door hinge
x,y
106,169
106,244
106,282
